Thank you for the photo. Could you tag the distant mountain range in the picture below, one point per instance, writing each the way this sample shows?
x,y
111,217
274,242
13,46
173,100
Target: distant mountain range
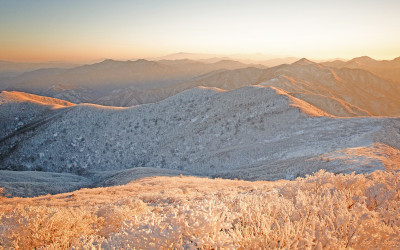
x,y
111,75
359,87
387,69
338,91
268,61
11,69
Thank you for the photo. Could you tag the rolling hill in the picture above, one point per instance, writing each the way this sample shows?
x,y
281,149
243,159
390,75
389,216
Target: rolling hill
x,y
251,133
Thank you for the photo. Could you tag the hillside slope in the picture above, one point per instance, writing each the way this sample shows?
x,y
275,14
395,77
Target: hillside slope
x,y
251,133
18,109
341,92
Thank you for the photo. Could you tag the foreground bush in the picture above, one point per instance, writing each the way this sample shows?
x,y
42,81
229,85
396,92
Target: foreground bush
x,y
319,211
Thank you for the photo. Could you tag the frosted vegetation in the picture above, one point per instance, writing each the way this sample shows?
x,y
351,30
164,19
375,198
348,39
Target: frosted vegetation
x,y
322,211
252,133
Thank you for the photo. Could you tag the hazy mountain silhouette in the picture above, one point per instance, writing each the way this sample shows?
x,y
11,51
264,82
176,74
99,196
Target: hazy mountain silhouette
x,y
110,75
387,69
339,91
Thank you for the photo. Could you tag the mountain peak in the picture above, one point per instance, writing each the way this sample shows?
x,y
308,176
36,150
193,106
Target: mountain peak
x,y
145,62
225,61
363,59
108,61
303,61
142,60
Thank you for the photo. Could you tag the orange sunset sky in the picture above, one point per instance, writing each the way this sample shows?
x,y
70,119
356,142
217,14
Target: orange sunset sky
x,y
47,30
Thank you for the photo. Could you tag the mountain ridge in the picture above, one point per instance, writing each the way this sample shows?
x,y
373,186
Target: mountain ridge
x,y
387,69
335,90
206,122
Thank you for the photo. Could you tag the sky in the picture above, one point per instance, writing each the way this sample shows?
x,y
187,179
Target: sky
x,y
49,30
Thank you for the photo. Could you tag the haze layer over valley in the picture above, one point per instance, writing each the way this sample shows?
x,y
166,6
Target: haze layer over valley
x,y
88,82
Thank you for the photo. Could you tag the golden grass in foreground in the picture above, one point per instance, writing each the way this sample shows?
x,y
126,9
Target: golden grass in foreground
x,y
319,211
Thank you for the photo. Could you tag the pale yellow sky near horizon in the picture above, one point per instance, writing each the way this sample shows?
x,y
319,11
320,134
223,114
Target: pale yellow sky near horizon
x,y
46,30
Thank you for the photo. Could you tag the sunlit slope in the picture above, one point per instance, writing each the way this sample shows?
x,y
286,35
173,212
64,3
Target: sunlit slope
x,y
252,133
17,109
341,92
15,97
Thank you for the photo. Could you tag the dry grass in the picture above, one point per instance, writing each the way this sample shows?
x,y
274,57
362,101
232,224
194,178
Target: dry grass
x,y
319,211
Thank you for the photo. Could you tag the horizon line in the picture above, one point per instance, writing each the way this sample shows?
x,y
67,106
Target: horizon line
x,y
207,56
